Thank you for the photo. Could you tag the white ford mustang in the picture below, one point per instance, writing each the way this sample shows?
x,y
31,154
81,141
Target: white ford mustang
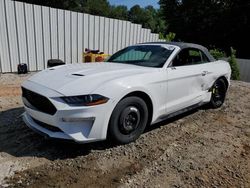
x,y
138,86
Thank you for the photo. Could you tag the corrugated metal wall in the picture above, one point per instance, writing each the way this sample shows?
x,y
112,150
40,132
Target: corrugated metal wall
x,y
244,65
33,34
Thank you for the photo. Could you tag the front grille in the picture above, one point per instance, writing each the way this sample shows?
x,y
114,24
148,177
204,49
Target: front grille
x,y
39,102
46,126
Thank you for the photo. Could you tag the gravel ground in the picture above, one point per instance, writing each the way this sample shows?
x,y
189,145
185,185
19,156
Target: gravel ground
x,y
202,148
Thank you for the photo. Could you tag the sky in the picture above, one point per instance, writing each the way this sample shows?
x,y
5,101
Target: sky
x,y
130,3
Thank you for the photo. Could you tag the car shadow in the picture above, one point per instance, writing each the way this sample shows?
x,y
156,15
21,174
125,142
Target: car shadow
x,y
168,121
18,140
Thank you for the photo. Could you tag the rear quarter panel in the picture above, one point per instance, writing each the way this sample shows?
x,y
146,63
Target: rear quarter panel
x,y
216,70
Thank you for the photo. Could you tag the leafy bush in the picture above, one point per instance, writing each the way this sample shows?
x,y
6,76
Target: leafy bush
x,y
217,54
234,65
169,37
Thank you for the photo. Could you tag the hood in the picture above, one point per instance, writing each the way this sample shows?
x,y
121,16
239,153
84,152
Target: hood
x,y
83,78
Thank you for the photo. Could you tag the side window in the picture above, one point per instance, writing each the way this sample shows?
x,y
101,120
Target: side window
x,y
181,59
204,58
195,57
190,56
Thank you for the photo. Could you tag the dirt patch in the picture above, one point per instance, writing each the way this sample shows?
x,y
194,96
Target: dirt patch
x,y
54,176
203,148
10,91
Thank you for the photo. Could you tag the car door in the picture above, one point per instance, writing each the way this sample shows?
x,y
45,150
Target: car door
x,y
209,69
186,78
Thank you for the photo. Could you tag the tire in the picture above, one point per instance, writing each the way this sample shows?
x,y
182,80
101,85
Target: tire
x,y
128,120
219,91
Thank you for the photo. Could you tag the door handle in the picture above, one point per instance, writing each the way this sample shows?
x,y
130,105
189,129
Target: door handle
x,y
204,73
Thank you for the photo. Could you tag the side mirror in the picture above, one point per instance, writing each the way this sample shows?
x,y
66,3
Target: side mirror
x,y
54,63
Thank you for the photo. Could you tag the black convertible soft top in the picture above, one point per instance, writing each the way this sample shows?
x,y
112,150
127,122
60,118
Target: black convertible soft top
x,y
183,45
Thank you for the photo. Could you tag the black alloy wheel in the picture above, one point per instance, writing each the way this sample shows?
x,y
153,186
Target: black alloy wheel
x,y
128,120
218,90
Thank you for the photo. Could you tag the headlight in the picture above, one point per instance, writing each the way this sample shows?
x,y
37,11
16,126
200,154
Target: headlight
x,y
85,100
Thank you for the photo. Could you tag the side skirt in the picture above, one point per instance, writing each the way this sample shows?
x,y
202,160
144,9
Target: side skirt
x,y
179,112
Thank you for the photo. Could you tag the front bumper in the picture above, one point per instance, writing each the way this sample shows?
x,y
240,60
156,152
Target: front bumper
x,y
80,124
29,121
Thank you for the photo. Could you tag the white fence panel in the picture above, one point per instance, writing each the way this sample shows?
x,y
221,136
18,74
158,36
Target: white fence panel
x,y
96,32
79,37
128,29
46,35
138,34
158,37
31,37
22,39
111,35
61,35
143,34
67,37
244,65
91,37
74,51
115,36
150,37
134,34
54,33
148,32
12,31
85,31
123,34
106,36
34,34
131,35
39,37
101,34
4,40
155,37
119,35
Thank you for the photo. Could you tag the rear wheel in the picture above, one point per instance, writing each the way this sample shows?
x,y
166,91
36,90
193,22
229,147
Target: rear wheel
x,y
219,90
128,120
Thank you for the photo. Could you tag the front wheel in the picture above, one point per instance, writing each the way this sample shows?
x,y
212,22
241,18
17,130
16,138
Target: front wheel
x,y
128,120
218,90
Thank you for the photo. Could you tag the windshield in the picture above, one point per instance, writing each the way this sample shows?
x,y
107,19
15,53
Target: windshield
x,y
144,55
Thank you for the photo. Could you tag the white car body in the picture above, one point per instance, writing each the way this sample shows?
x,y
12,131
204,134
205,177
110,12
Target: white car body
x,y
170,90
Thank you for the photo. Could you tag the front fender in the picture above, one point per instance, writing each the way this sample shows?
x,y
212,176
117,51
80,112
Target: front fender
x,y
116,90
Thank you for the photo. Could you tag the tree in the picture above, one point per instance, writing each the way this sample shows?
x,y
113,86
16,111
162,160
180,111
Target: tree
x,y
119,12
169,37
210,22
148,17
155,22
96,7
74,5
234,65
136,14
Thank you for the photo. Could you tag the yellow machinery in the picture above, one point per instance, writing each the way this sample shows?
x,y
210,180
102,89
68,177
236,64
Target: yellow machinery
x,y
94,56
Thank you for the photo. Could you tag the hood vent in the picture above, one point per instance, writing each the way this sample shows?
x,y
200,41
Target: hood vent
x,y
78,75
